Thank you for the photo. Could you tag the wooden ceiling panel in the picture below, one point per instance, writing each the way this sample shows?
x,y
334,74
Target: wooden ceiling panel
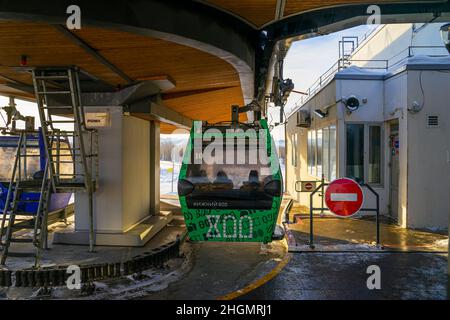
x,y
258,12
212,106
164,128
7,73
8,91
45,46
141,57
137,56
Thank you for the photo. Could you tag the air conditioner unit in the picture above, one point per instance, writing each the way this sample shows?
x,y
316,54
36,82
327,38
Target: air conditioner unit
x,y
303,119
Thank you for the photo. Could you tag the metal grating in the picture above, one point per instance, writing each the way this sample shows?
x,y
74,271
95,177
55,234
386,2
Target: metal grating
x,y
433,121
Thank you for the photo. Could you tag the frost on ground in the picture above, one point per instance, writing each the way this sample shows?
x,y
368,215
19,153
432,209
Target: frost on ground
x,y
276,252
441,243
335,248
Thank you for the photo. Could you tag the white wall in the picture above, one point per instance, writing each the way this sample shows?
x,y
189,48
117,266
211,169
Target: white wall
x,y
428,151
390,42
108,197
136,174
395,107
372,111
123,196
385,43
424,177
395,96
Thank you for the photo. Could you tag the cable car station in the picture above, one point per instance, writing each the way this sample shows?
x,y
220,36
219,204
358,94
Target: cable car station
x,y
80,181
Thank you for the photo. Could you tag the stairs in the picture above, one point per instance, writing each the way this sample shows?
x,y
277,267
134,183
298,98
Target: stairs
x,y
70,165
14,207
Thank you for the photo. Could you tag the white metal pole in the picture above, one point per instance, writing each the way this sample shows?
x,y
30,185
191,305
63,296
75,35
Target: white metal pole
x,y
173,172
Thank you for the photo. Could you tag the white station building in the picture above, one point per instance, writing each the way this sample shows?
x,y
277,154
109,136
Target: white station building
x,y
381,116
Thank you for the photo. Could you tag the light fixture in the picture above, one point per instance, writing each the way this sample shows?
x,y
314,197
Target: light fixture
x,y
23,61
320,113
445,34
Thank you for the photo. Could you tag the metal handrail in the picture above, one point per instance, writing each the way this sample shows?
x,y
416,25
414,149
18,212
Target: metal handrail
x,y
10,187
326,77
344,63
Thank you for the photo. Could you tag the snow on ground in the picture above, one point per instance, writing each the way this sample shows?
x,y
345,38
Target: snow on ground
x,y
169,172
123,288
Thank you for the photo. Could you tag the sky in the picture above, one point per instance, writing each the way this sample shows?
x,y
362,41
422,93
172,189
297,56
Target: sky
x,y
304,63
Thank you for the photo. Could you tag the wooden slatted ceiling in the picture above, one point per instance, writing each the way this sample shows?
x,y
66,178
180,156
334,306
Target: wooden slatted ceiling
x,y
217,102
138,56
8,91
260,12
45,46
164,128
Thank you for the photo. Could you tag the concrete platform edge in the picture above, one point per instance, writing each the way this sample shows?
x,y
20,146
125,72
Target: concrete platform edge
x,y
136,237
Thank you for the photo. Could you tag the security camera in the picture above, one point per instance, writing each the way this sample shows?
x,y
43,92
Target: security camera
x,y
352,103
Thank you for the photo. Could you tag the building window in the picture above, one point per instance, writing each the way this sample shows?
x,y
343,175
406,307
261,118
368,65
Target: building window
x,y
332,147
326,152
312,152
322,153
294,141
374,155
309,155
319,146
355,151
364,153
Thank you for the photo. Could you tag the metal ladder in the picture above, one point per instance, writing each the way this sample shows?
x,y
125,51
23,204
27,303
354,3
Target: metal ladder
x,y
36,221
63,84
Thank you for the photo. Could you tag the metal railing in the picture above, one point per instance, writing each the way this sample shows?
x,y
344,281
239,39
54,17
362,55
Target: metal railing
x,y
373,64
328,76
412,51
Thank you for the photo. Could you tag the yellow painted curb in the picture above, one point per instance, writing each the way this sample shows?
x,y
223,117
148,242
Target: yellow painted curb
x,y
266,278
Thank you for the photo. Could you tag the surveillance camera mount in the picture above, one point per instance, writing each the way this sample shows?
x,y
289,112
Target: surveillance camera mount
x,y
252,106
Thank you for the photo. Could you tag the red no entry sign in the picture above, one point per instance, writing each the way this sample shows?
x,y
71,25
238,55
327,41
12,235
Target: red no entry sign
x,y
344,197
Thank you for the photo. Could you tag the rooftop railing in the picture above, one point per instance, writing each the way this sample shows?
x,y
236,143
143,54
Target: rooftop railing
x,y
373,64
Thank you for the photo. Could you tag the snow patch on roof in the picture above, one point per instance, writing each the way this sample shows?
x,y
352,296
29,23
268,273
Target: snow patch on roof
x,y
417,61
424,59
354,70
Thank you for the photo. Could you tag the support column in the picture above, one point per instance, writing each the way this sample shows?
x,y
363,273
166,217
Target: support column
x,y
154,168
126,203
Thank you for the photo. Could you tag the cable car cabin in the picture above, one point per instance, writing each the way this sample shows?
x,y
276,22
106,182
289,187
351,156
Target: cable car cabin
x,y
32,169
230,183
